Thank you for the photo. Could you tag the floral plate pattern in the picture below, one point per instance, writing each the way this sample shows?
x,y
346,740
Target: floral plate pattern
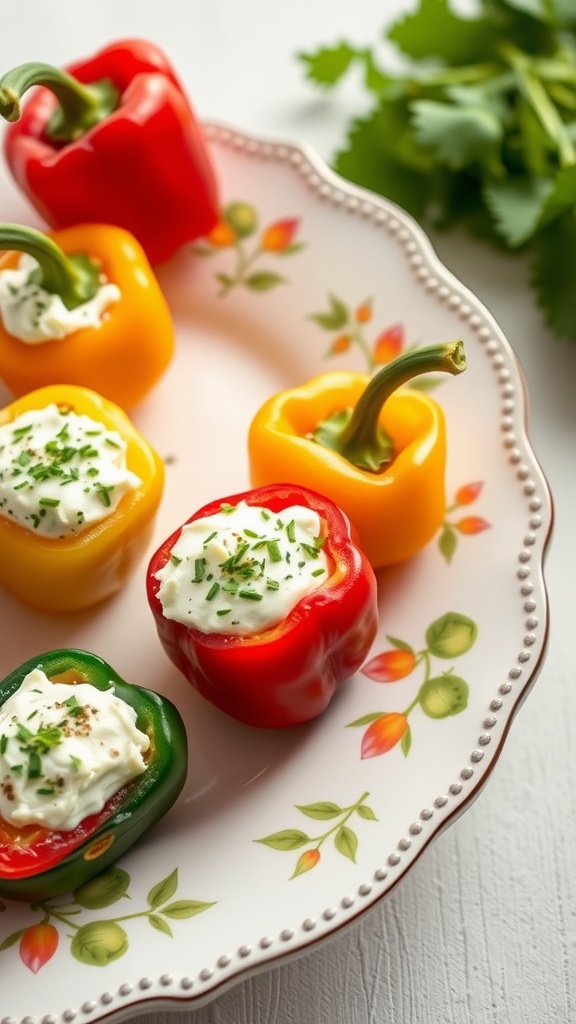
x,y
279,839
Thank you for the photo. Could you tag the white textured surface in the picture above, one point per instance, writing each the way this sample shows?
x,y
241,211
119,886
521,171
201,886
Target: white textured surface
x,y
483,928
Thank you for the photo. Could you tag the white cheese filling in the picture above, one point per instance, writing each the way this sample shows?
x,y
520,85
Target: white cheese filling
x,y
34,316
64,751
61,472
243,569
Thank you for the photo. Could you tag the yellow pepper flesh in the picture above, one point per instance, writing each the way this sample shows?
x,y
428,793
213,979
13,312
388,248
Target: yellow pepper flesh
x,y
395,511
70,573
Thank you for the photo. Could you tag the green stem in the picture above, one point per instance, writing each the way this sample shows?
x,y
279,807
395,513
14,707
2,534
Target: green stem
x,y
75,278
356,433
80,106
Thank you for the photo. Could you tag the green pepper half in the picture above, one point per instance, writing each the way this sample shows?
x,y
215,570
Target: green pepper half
x,y
38,863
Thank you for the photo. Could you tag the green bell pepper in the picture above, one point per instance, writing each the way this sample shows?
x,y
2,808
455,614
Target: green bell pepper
x,y
38,863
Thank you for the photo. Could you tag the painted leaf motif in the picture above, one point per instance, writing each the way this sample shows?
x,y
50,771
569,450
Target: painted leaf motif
x,y
366,719
225,279
366,812
12,939
160,924
164,890
448,542
263,280
346,842
286,839
400,644
103,890
182,909
451,635
323,810
337,316
98,943
406,742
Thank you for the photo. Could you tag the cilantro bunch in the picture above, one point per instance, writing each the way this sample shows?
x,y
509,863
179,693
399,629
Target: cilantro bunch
x,y
481,131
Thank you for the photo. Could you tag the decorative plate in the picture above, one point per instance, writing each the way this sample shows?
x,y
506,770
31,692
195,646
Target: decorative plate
x,y
280,838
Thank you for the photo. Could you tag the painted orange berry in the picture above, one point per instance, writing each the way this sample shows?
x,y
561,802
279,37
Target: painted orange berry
x,y
390,666
279,236
222,235
470,525
364,312
340,344
389,344
468,493
306,861
38,945
383,734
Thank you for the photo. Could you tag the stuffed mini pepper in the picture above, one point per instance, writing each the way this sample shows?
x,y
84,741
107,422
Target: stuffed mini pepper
x,y
374,447
81,306
265,603
88,762
79,490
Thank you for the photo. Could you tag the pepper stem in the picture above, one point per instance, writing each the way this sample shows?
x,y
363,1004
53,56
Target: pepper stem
x,y
356,433
80,106
74,277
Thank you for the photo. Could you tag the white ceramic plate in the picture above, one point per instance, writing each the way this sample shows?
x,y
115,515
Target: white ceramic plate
x,y
209,899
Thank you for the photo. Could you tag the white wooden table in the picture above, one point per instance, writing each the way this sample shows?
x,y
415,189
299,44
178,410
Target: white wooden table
x,y
483,929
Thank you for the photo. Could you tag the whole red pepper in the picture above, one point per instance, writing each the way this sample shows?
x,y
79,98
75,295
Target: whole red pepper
x,y
112,140
288,673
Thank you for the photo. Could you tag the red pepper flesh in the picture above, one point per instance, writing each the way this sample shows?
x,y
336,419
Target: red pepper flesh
x,y
144,167
287,674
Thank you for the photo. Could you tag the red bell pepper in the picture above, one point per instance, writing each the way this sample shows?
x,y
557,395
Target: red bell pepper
x,y
112,140
288,673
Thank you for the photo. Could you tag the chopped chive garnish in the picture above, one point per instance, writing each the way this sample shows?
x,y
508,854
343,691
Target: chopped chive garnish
x,y
250,533
250,595
3,743
223,611
264,514
211,537
175,560
34,765
49,502
318,572
199,569
274,553
272,584
291,531
45,790
226,508
213,591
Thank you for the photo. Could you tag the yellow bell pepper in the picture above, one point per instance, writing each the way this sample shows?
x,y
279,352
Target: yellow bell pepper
x,y
124,355
377,452
63,574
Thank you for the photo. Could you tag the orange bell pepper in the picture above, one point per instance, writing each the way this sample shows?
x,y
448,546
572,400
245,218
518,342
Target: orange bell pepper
x,y
379,453
123,356
63,574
